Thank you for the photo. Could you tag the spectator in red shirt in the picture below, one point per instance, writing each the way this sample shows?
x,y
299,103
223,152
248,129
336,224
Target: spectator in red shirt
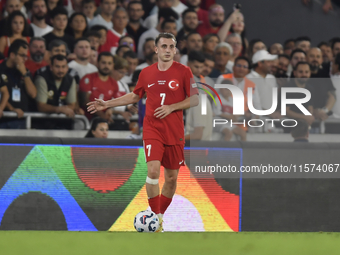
x,y
202,14
38,49
99,85
216,19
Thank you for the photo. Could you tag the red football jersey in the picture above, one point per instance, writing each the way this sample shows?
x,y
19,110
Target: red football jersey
x,y
112,39
165,88
105,90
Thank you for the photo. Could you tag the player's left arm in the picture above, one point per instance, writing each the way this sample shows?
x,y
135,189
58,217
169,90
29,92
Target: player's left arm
x,y
165,110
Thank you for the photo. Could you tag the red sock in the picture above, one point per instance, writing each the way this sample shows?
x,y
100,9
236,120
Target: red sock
x,y
165,202
154,204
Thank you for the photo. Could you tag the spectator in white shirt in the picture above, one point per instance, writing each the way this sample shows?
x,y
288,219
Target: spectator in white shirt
x,y
38,24
264,81
81,64
107,8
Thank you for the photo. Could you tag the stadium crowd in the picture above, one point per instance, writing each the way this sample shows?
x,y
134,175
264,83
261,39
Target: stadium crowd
x,y
56,56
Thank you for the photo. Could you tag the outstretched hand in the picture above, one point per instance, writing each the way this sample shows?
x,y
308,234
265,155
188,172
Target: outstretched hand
x,y
163,111
95,106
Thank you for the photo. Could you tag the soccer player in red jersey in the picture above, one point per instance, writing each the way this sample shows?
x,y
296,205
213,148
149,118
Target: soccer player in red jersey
x,y
170,89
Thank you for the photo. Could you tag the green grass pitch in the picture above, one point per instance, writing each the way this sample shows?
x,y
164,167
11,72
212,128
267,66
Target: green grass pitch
x,y
98,243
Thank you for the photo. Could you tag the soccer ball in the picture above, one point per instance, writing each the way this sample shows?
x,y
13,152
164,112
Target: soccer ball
x,y
146,221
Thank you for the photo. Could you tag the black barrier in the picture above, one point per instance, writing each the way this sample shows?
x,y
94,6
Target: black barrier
x,y
98,184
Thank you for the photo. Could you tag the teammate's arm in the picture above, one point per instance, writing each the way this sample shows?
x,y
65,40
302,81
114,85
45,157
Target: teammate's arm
x,y
99,104
165,110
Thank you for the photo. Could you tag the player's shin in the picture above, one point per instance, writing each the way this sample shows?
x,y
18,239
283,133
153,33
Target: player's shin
x,y
152,190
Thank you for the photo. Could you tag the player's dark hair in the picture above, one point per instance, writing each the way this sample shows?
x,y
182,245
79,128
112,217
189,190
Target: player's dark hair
x,y
130,54
98,28
58,57
208,57
106,54
189,10
196,56
11,17
16,45
165,35
243,58
301,129
167,21
302,38
295,51
283,56
134,2
301,63
87,2
59,10
94,126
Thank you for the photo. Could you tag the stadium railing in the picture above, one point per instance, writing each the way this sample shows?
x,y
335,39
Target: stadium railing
x,y
30,115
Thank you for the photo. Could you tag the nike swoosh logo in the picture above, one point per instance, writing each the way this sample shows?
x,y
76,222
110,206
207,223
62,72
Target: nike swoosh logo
x,y
181,162
149,85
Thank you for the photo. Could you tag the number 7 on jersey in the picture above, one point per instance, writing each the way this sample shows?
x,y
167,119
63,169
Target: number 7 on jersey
x,y
162,95
148,147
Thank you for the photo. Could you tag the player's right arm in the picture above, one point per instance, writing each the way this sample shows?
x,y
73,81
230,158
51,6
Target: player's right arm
x,y
99,104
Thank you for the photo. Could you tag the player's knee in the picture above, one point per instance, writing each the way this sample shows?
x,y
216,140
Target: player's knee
x,y
171,179
153,173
